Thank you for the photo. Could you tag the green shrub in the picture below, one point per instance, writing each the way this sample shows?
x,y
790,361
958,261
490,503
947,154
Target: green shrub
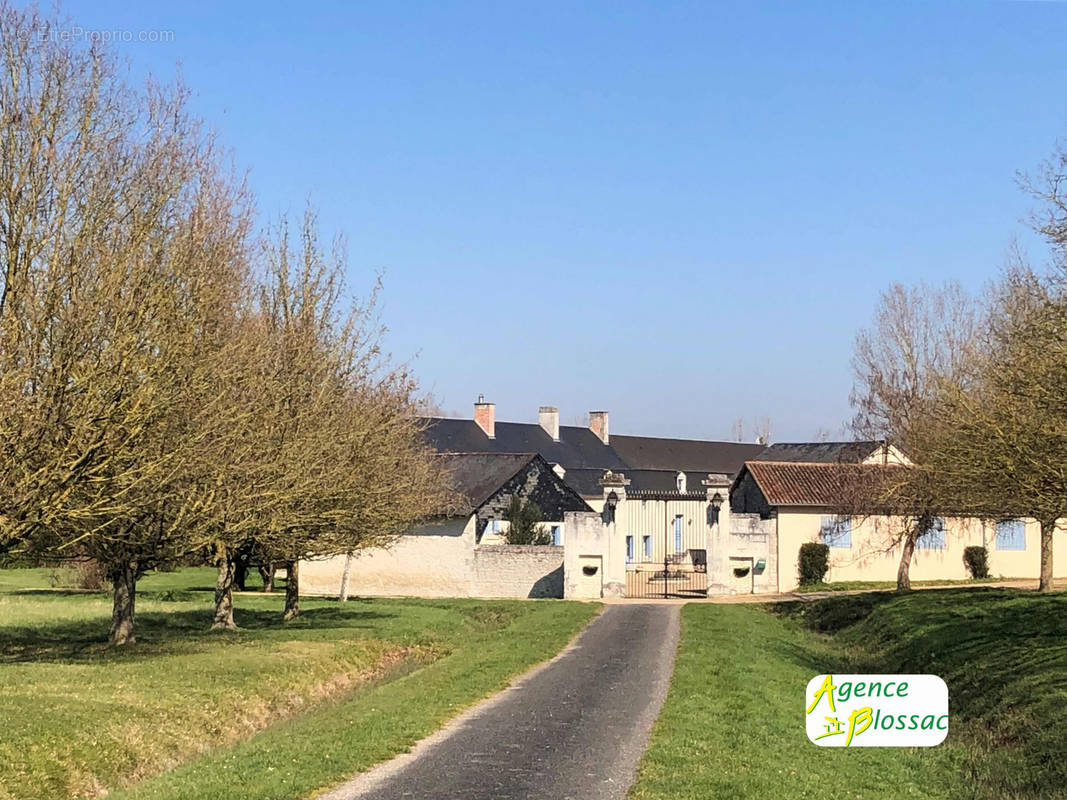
x,y
814,562
977,561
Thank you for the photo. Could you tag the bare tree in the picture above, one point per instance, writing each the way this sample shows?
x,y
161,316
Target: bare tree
x,y
920,337
737,430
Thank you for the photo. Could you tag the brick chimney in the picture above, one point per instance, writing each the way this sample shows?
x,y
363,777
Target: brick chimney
x,y
598,424
485,416
548,416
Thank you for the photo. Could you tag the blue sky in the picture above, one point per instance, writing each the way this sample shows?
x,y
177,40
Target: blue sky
x,y
678,212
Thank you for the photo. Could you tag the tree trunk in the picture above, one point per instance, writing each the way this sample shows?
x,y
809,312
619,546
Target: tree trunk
x,y
904,569
224,590
267,574
124,582
292,590
1045,583
240,574
343,596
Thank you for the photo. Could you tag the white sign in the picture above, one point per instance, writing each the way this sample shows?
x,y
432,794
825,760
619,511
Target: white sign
x,y
876,710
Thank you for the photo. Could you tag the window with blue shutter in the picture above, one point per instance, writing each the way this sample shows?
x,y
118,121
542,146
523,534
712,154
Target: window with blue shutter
x,y
933,538
1011,535
646,543
836,531
678,534
629,548
557,535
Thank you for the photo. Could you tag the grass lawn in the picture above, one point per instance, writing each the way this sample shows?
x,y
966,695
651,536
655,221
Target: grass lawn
x,y
845,586
733,726
269,711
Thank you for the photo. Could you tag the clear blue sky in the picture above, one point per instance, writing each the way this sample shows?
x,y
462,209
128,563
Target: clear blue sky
x,y
678,212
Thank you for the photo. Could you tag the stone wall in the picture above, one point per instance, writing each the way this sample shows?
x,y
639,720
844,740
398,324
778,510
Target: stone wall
x,y
441,560
735,547
509,570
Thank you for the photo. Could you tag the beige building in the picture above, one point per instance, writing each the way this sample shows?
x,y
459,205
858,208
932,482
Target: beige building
x,y
797,496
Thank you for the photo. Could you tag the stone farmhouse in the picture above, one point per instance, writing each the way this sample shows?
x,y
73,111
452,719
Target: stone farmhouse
x,y
650,517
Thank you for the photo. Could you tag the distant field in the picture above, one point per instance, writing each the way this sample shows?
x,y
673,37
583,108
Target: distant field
x,y
269,711
733,727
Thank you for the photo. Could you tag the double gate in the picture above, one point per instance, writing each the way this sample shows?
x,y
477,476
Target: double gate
x,y
668,559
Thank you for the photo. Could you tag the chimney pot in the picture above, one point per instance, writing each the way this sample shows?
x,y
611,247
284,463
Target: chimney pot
x,y
548,416
485,416
598,424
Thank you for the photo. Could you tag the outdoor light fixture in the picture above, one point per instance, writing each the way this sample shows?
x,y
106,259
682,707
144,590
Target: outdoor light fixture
x,y
713,509
610,502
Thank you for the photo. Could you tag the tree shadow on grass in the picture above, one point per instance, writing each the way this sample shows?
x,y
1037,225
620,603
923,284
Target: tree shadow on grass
x,y
162,634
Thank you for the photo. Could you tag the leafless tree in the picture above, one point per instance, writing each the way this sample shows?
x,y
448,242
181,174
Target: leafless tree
x,y
920,337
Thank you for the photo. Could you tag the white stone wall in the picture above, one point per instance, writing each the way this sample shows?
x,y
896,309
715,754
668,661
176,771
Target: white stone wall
x,y
509,570
590,543
430,561
441,560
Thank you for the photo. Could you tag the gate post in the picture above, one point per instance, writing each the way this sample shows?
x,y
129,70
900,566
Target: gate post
x,y
718,531
614,486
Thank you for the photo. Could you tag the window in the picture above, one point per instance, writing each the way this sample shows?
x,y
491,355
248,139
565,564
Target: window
x,y
933,538
557,535
1011,535
629,548
646,544
678,534
494,526
836,531
680,480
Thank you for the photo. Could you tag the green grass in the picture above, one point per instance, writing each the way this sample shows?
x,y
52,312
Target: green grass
x,y
269,711
846,586
733,726
1003,654
733,722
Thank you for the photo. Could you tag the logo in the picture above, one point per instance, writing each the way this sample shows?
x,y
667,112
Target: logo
x,y
876,710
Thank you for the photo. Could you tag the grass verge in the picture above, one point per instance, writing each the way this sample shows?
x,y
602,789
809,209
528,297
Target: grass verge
x,y
733,726
269,711
1003,654
733,722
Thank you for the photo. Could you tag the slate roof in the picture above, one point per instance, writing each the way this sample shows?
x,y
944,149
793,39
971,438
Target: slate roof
x,y
578,448
691,456
810,484
475,477
651,463
820,452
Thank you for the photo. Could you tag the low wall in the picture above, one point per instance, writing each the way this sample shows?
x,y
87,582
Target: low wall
x,y
510,570
430,561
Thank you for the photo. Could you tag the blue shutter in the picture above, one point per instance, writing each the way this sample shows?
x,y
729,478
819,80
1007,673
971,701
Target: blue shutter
x,y
557,535
646,541
677,534
836,531
933,538
1011,535
629,548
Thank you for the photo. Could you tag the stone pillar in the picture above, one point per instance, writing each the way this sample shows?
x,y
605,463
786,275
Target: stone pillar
x,y
718,533
614,485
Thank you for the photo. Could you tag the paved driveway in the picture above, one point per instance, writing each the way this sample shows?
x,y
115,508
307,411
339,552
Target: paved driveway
x,y
575,728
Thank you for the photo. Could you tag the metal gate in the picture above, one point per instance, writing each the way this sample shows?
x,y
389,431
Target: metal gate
x,y
666,554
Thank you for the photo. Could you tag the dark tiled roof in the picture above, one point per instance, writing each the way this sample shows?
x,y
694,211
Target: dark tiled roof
x,y
812,484
820,452
694,457
475,477
578,448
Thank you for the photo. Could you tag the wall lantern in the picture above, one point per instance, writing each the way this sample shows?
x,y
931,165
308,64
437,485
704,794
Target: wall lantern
x,y
610,503
713,509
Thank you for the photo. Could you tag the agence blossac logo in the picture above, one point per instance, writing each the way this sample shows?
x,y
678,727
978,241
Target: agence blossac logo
x,y
876,710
